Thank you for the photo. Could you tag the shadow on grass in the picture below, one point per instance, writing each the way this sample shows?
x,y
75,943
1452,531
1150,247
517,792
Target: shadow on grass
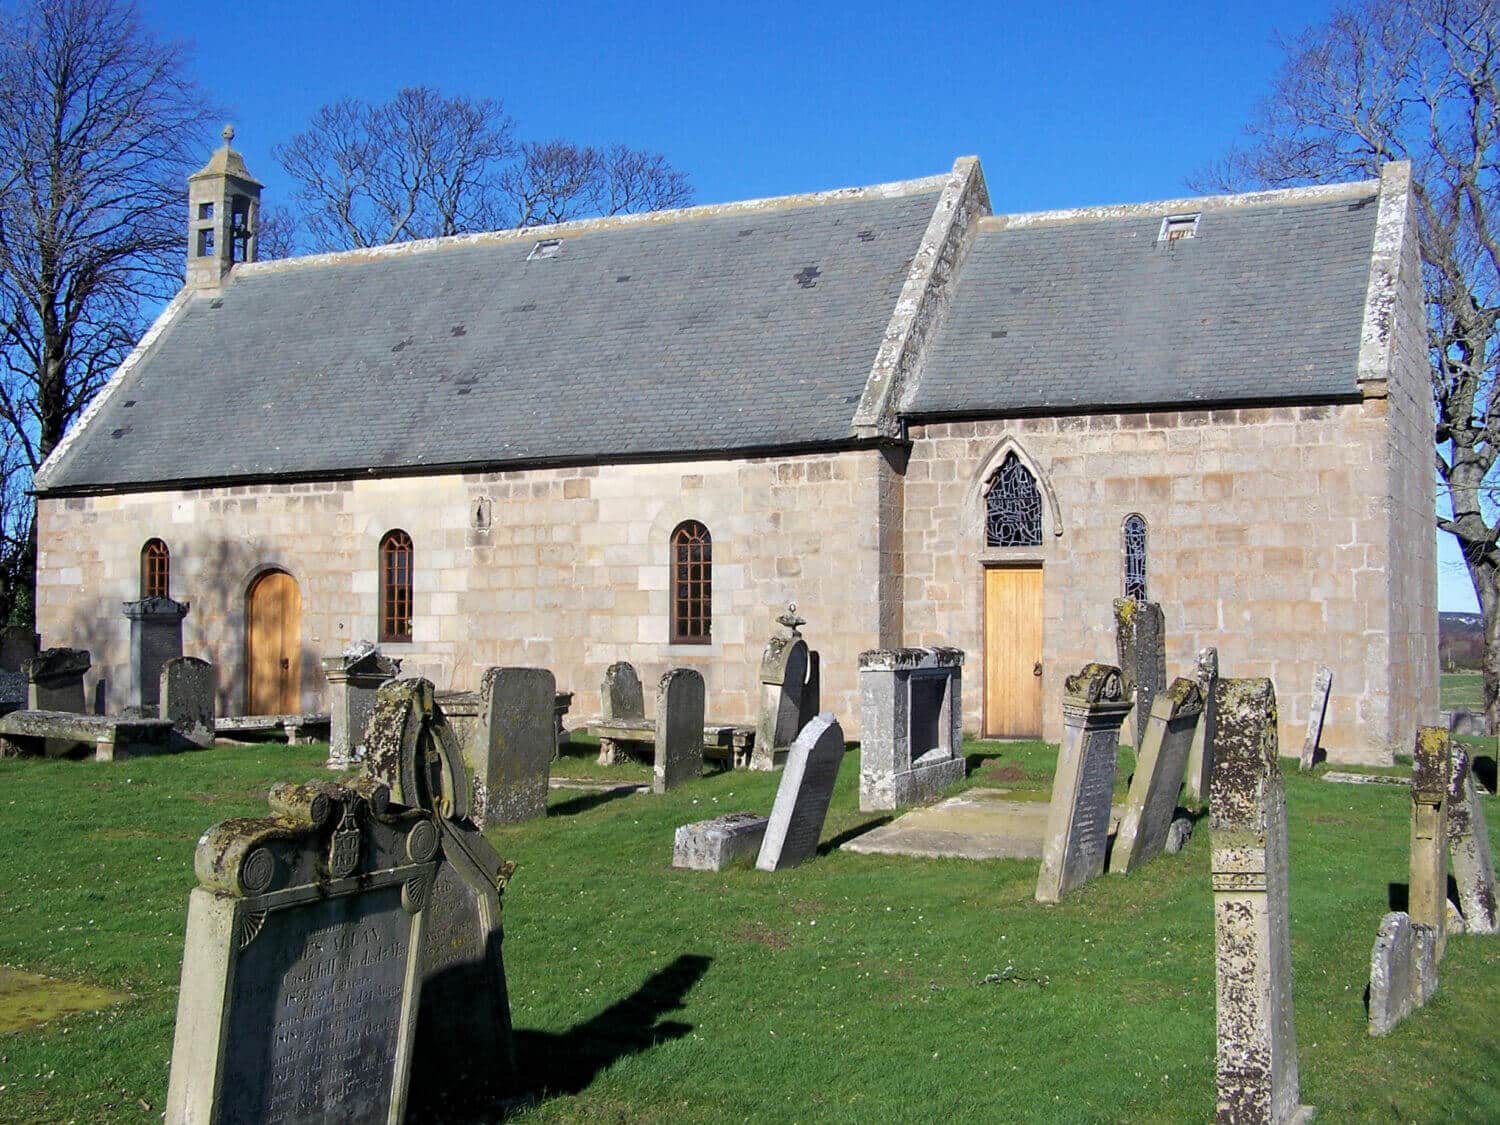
x,y
1484,771
587,800
834,844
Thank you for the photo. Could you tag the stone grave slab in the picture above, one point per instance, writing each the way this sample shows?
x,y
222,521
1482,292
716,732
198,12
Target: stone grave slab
x,y
1200,765
155,638
713,845
1318,709
1469,849
976,824
1347,777
679,729
1141,641
801,806
188,688
1427,891
65,734
911,709
518,740
1158,777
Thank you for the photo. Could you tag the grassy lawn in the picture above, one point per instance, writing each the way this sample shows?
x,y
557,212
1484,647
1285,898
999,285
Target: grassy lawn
x,y
852,988
1461,691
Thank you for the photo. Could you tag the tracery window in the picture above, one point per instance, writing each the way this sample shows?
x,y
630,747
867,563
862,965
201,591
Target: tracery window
x,y
156,569
692,584
395,586
1013,507
1135,557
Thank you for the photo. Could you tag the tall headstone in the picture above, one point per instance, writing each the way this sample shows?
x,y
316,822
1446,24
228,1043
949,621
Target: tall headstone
x,y
1469,849
1257,1039
301,976
801,805
788,690
1158,777
1322,685
54,679
679,729
1427,892
1201,753
353,678
518,730
911,715
1141,639
1077,834
187,698
155,638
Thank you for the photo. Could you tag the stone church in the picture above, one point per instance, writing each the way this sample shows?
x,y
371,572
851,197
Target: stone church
x,y
638,438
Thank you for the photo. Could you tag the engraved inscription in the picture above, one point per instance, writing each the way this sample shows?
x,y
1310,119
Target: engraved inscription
x,y
1091,806
811,809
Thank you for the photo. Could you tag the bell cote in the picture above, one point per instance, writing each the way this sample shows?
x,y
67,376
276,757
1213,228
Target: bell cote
x,y
223,213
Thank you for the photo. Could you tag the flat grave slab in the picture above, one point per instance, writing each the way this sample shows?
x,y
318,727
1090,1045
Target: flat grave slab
x,y
1347,777
294,728
976,824
28,1000
60,734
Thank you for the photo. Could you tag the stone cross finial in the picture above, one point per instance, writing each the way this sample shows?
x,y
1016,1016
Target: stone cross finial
x,y
228,134
791,620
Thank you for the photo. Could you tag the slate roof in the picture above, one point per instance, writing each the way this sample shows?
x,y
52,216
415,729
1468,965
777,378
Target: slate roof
x,y
1091,310
740,329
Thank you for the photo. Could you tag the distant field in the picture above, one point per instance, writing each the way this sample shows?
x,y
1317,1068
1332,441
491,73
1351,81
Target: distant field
x,y
1461,690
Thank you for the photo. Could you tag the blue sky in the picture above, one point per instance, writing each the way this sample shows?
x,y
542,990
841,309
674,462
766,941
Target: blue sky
x,y
1067,104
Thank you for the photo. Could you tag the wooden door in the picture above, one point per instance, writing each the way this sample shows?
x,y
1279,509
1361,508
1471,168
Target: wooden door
x,y
273,646
1013,652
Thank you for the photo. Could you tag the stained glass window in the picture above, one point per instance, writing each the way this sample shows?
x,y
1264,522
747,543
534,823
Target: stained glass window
x,y
1135,557
395,586
692,584
1013,507
156,570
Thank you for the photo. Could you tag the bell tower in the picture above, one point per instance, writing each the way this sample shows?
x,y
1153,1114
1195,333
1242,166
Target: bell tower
x,y
223,212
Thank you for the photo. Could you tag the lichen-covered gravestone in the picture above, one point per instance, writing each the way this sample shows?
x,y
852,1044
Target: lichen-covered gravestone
x,y
518,738
1141,640
155,638
679,729
1322,685
1469,849
353,678
54,680
1391,994
712,845
1200,765
1427,892
1158,777
623,707
187,698
801,806
1077,834
789,688
1256,1068
301,974
911,710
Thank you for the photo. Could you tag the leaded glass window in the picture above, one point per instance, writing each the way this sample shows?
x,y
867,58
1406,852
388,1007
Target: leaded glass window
x,y
1013,507
692,584
396,560
156,569
1135,557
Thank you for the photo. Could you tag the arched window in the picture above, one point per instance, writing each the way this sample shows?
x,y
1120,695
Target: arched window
x,y
395,586
1013,507
1135,557
692,584
156,570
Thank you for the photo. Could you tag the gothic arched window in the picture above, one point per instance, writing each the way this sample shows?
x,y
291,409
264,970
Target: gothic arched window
x,y
692,584
1135,557
1012,506
156,570
395,586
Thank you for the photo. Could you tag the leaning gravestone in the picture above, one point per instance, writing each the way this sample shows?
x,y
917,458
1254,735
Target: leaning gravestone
x,y
353,677
1077,834
679,729
1158,777
1141,639
1427,892
301,974
1469,849
155,638
911,713
54,680
518,737
801,806
1392,996
1200,765
789,687
1322,685
1257,1039
187,698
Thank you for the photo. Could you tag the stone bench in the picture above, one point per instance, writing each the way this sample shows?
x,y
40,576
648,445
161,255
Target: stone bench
x,y
61,734
296,729
620,739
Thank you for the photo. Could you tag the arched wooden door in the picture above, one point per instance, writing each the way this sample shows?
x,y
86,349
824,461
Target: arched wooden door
x,y
273,646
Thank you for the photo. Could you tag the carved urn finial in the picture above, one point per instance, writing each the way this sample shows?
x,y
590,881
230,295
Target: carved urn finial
x,y
791,620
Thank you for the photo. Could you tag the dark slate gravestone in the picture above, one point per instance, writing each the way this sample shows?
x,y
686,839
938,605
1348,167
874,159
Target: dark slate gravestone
x,y
1141,638
679,729
801,806
519,737
300,982
789,689
54,680
155,638
1322,685
1158,777
187,698
354,676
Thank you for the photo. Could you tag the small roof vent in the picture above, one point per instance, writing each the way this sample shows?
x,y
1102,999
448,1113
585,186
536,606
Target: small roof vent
x,y
546,248
1175,228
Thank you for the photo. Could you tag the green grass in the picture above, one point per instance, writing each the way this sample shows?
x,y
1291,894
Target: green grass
x,y
1461,691
851,988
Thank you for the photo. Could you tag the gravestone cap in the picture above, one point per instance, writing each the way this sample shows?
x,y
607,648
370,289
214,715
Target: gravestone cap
x,y
52,662
903,659
1431,766
1182,699
778,655
791,620
362,658
1094,683
155,607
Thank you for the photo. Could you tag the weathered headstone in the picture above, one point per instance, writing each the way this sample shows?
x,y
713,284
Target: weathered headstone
x,y
1077,834
1257,1077
1427,892
155,638
623,713
679,729
1424,962
911,713
1392,996
1200,765
712,845
54,679
1469,849
1141,640
789,689
1158,777
187,698
1322,685
301,974
353,677
518,737
801,806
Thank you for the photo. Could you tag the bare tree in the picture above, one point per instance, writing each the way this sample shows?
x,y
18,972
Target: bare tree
x,y
553,181
1415,80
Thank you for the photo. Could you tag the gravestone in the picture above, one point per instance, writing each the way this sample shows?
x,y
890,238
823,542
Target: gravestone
x,y
18,644
518,738
679,729
1201,754
1469,849
1392,991
1427,892
155,638
801,806
301,972
1141,640
54,679
1322,685
712,845
1077,833
789,690
1256,1067
911,713
353,677
187,698
624,713
1158,777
